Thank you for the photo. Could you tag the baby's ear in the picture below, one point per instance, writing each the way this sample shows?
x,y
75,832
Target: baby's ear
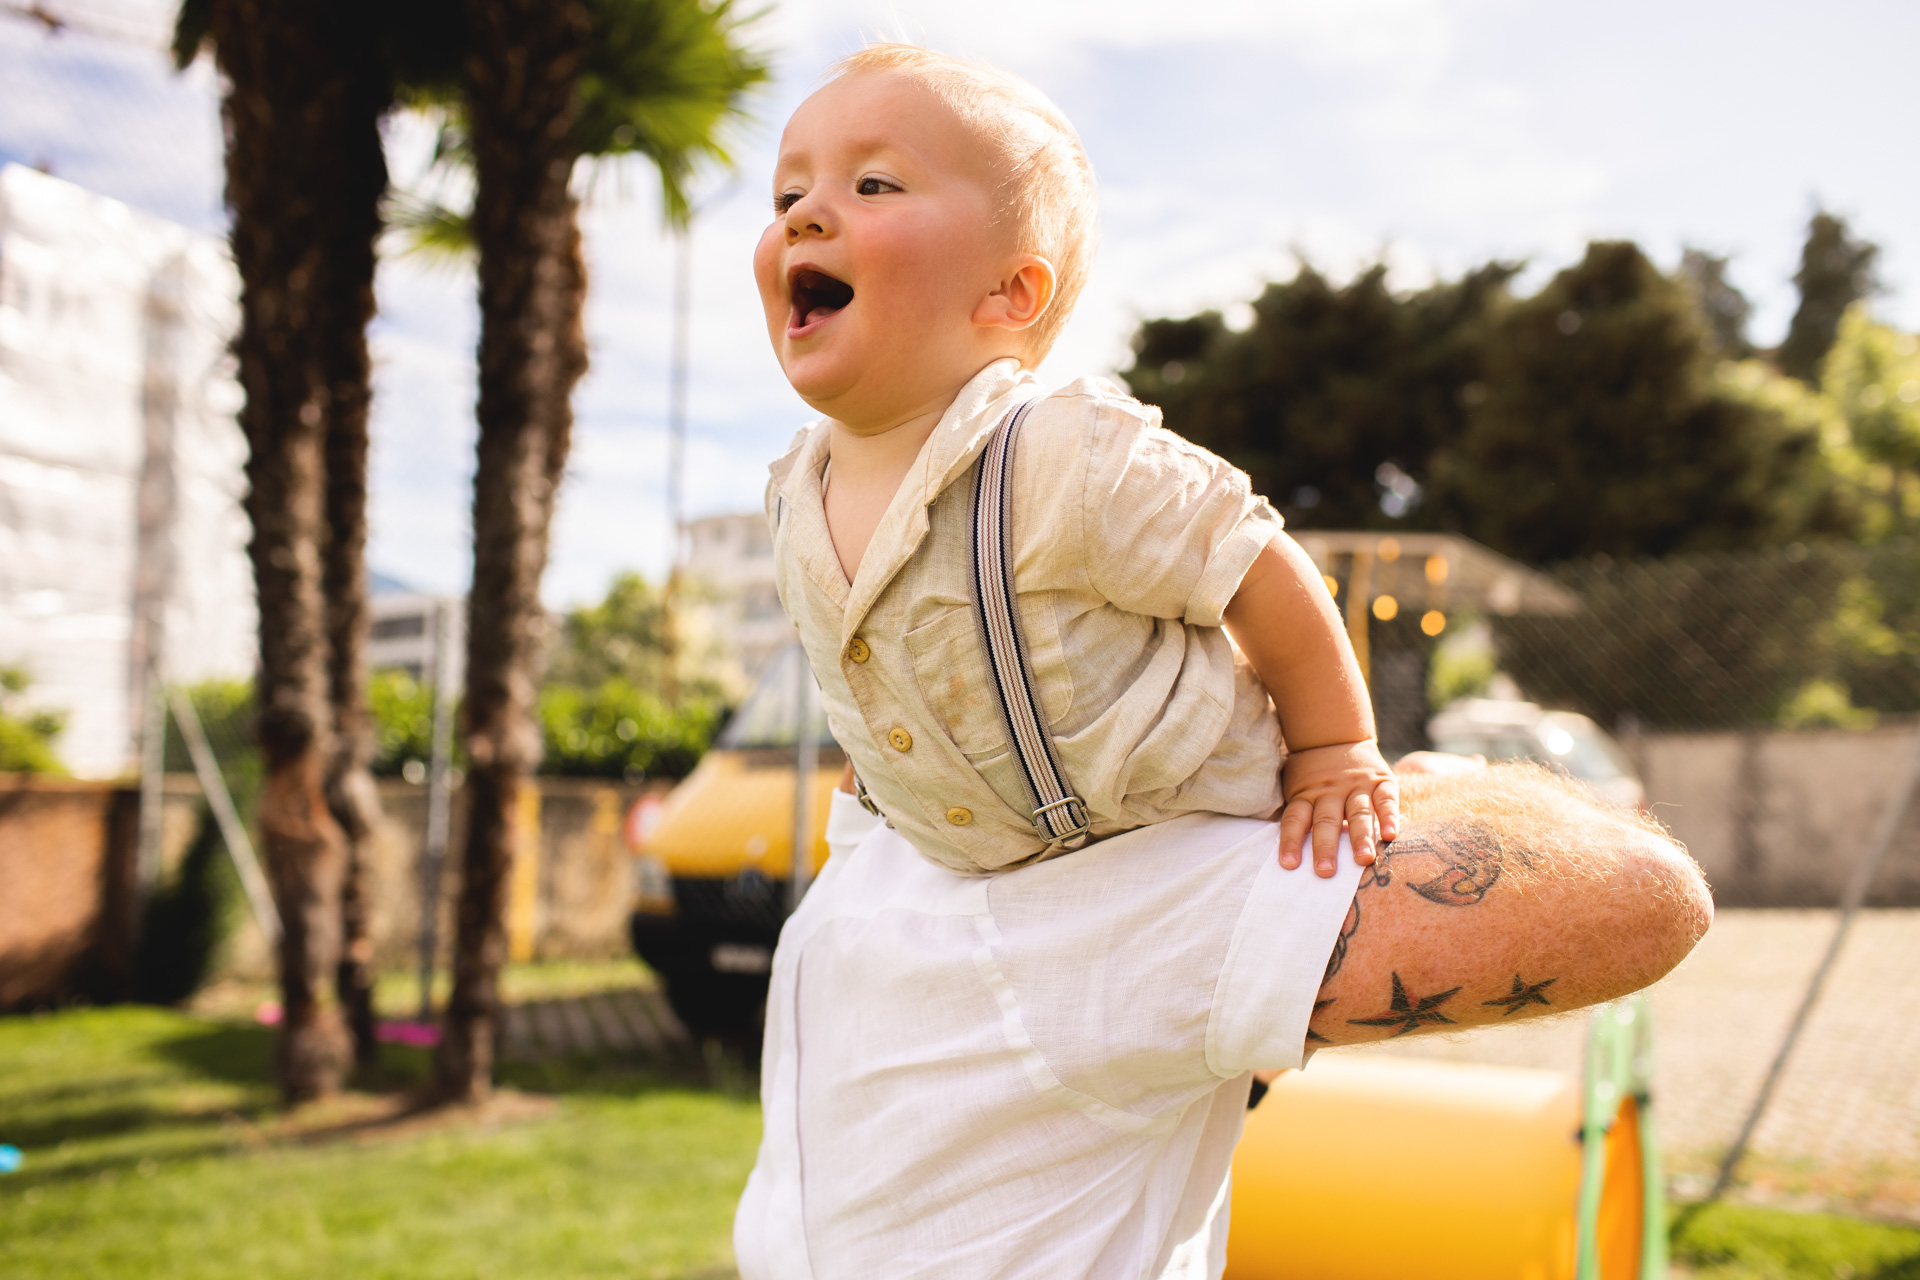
x,y
1021,297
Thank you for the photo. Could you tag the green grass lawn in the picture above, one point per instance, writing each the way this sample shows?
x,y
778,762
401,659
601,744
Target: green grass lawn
x,y
154,1148
1738,1242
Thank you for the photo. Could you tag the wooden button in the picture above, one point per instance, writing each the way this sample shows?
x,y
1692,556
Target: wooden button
x,y
857,650
959,817
900,740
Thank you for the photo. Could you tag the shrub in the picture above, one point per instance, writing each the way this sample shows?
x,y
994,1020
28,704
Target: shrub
x,y
186,922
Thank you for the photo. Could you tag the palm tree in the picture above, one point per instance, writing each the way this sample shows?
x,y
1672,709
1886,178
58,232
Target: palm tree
x,y
305,92
547,82
350,791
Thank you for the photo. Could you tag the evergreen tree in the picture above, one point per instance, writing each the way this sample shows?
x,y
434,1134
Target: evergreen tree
x,y
1722,305
1335,399
1836,271
1603,430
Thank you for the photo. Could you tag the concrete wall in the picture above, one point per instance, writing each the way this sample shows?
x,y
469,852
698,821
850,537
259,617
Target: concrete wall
x,y
569,901
67,865
1781,818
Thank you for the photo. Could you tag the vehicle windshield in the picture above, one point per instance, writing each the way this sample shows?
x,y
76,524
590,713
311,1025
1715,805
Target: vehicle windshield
x,y
1564,742
1574,744
768,716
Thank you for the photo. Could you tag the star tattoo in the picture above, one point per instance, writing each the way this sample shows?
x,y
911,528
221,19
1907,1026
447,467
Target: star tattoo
x,y
1406,1014
1313,1035
1522,995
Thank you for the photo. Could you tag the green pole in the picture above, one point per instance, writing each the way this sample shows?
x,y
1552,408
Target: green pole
x,y
1619,1069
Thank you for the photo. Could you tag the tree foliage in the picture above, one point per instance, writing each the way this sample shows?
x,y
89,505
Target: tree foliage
x,y
604,709
27,733
1584,419
1836,271
622,637
1603,430
185,923
1724,308
1336,397
402,721
661,79
613,730
1872,376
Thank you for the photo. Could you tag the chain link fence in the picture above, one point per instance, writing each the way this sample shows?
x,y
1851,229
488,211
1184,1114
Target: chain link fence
x,y
1821,636
1761,699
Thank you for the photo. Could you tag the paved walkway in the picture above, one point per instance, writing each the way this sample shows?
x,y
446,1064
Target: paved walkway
x,y
1844,1127
633,1022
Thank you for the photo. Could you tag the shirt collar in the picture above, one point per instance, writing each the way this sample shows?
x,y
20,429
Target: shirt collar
x,y
955,442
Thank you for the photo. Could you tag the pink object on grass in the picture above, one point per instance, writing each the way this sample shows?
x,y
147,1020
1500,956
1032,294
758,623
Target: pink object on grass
x,y
421,1035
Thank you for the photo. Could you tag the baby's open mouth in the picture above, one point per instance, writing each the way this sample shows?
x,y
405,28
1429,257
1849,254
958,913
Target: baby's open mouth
x,y
817,295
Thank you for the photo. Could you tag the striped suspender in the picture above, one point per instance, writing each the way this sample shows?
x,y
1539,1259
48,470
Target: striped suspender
x,y
1059,816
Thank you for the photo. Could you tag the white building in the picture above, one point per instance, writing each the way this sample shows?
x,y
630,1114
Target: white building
x,y
121,460
407,628
732,606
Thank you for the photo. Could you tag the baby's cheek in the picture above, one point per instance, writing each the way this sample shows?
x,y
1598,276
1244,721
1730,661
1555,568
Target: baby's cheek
x,y
766,274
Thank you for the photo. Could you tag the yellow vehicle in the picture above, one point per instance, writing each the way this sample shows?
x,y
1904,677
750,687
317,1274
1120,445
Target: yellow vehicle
x,y
713,865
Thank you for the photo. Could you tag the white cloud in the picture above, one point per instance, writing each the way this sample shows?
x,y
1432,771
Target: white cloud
x,y
114,117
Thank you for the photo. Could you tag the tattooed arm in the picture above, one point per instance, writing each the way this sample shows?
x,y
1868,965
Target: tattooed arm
x,y
1508,894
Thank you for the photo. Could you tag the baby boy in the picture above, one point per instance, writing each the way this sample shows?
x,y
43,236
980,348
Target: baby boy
x,y
933,224
1042,1072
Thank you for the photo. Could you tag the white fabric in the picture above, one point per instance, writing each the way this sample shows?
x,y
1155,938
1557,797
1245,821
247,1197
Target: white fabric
x,y
1036,1074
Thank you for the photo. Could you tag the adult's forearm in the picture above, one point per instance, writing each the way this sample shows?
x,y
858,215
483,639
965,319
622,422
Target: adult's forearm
x,y
1509,894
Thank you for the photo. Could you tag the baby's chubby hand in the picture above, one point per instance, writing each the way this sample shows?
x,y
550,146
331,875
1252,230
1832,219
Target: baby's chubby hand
x,y
1344,783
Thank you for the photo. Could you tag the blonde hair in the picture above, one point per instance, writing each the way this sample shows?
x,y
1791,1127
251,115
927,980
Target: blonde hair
x,y
1048,194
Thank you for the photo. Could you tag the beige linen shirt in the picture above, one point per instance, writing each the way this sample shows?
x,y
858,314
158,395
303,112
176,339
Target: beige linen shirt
x,y
1128,544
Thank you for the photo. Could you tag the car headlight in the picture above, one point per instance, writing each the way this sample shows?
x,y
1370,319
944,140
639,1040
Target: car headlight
x,y
653,885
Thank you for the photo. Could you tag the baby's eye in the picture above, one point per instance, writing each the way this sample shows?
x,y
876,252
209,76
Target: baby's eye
x,y
871,186
785,200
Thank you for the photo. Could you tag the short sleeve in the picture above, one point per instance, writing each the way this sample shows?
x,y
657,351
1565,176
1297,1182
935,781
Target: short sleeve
x,y
1171,529
1275,965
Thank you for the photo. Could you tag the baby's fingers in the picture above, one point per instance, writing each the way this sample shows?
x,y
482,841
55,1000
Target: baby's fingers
x,y
1327,820
1362,828
1386,808
1294,821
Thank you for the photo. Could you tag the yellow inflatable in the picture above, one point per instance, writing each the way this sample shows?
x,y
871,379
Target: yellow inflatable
x,y
1376,1168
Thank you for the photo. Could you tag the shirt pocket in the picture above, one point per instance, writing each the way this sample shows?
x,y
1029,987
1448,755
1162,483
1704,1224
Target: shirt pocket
x,y
950,666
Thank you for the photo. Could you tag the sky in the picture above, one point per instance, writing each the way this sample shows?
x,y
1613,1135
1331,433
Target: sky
x,y
1232,141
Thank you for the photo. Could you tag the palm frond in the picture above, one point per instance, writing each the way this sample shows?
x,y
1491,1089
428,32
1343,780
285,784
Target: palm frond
x,y
430,229
663,79
192,27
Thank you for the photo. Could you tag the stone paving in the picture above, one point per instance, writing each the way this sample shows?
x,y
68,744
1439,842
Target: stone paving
x,y
1843,1130
634,1022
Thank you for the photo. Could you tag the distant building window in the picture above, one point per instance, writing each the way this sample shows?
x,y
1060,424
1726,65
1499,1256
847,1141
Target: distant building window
x,y
402,627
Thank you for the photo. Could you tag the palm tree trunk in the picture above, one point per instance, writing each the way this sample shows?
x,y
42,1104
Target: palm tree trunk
x,y
350,791
301,100
522,92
